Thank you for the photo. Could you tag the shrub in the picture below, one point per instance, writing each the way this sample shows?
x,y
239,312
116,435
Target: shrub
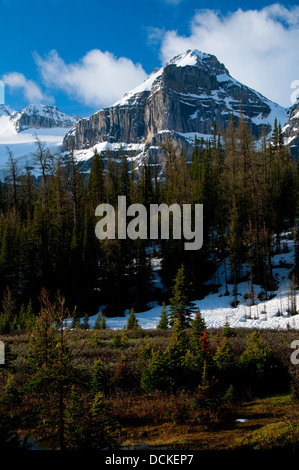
x,y
198,327
100,323
178,408
120,340
156,375
11,394
163,323
225,362
132,323
227,330
90,425
98,377
261,370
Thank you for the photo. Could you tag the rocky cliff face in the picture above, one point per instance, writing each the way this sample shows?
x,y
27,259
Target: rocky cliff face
x,y
188,96
291,131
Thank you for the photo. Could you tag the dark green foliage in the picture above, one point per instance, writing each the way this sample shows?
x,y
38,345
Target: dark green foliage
x,y
98,377
227,330
198,327
156,375
85,324
180,306
173,368
120,340
96,193
132,323
75,421
260,369
104,431
100,323
88,423
11,393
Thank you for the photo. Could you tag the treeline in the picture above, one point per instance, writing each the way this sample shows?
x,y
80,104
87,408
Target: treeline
x,y
47,222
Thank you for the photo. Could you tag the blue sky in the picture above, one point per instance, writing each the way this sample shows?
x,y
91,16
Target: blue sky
x,y
85,54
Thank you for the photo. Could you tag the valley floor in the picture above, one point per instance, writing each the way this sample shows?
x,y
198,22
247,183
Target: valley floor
x,y
251,425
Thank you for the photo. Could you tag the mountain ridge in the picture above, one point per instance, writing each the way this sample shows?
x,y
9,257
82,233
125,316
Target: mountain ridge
x,y
187,96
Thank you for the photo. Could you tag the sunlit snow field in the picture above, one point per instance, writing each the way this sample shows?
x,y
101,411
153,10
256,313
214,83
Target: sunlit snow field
x,y
216,307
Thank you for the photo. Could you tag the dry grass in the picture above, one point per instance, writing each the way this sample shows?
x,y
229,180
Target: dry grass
x,y
274,414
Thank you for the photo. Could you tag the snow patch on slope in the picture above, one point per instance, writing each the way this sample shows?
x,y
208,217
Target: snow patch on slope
x,y
216,307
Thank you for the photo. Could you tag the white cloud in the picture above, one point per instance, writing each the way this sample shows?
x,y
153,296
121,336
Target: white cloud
x,y
30,89
259,47
155,35
98,79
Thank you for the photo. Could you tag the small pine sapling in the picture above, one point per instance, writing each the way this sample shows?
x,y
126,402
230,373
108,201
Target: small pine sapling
x,y
163,323
132,323
198,327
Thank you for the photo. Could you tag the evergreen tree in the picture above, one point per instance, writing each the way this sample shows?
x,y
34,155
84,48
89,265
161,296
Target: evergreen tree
x,y
98,377
104,431
180,306
198,327
163,323
50,364
100,323
132,323
96,181
85,325
76,436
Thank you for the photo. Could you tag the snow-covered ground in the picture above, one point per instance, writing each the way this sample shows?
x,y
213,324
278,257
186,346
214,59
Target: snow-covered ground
x,y
216,308
46,122
23,145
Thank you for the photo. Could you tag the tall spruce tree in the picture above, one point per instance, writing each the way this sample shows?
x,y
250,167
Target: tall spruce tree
x,y
180,306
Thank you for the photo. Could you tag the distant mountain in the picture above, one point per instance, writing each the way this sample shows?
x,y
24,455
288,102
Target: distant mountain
x,y
18,130
187,96
42,117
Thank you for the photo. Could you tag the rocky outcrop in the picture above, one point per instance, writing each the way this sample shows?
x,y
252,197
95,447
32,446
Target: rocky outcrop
x,y
188,96
291,131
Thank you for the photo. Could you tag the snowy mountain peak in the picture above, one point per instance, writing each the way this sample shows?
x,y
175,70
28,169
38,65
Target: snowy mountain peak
x,y
194,58
188,96
42,116
199,59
